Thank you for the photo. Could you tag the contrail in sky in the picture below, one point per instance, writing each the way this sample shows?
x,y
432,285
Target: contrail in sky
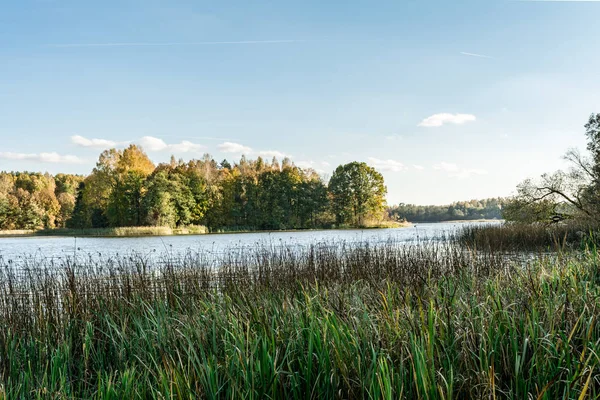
x,y
474,55
141,44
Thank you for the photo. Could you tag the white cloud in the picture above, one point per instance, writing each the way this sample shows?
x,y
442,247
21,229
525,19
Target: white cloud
x,y
85,142
273,153
386,165
186,147
155,144
237,148
149,143
454,171
438,120
230,147
418,167
53,157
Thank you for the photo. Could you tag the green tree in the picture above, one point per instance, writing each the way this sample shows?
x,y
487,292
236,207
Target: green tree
x,y
79,216
67,183
358,192
312,202
520,210
124,174
125,202
29,215
97,190
8,206
158,202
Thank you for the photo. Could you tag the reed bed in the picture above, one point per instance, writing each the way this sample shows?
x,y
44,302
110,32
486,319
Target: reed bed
x,y
352,320
125,231
526,237
16,232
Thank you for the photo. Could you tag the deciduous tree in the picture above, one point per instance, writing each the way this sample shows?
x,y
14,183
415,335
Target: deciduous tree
x,y
358,192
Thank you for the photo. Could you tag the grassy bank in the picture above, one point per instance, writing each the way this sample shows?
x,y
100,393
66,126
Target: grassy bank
x,y
347,321
386,224
128,231
17,232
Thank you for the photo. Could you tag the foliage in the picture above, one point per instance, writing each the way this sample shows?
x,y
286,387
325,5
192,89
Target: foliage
x,y
462,210
34,201
331,321
357,192
127,189
574,193
521,210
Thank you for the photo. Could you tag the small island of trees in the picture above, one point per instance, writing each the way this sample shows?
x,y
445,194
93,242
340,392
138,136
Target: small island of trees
x,y
126,189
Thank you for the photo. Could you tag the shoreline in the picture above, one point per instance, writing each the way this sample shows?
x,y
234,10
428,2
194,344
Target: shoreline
x,y
132,232
459,221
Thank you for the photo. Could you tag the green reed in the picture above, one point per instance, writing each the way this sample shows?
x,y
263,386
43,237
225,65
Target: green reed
x,y
525,237
328,321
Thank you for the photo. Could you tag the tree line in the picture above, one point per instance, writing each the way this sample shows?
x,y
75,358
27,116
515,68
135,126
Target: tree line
x,y
462,210
34,200
127,189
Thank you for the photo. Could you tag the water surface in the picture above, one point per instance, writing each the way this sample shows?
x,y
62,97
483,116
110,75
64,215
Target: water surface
x,y
15,248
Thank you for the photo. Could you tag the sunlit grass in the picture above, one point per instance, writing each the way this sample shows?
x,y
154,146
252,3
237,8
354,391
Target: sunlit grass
x,y
348,321
126,231
16,232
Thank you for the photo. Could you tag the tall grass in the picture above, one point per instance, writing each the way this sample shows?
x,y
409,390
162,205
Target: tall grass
x,y
16,232
512,236
345,321
126,231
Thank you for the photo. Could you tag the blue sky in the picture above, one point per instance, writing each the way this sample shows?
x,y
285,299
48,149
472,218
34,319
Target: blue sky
x,y
449,100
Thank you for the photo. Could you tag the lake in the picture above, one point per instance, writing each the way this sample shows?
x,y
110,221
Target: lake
x,y
18,248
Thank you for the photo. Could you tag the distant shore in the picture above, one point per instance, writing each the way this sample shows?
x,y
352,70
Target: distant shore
x,y
132,231
142,231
